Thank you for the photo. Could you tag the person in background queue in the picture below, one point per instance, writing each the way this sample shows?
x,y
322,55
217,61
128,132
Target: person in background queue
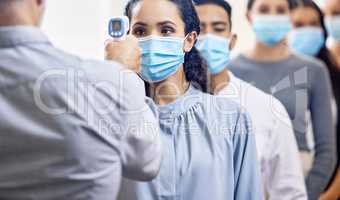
x,y
277,149
311,30
301,83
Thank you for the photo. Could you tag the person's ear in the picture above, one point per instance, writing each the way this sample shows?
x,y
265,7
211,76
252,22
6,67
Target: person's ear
x,y
41,3
248,16
233,41
189,41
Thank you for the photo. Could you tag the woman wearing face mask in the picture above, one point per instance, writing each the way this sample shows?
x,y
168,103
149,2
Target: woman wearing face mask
x,y
301,83
208,148
332,21
309,38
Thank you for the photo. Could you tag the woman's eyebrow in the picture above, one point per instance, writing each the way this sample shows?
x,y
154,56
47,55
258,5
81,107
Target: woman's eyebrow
x,y
166,22
139,24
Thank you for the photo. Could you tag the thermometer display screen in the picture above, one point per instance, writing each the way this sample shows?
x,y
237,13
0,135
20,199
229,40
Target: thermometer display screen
x,y
116,26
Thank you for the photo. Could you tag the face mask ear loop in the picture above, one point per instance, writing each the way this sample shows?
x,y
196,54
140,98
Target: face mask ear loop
x,y
184,40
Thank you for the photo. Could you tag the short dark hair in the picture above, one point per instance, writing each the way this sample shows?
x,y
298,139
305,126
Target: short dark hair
x,y
222,3
250,4
5,4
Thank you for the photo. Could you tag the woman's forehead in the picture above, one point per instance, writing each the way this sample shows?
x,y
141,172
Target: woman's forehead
x,y
272,3
154,11
305,12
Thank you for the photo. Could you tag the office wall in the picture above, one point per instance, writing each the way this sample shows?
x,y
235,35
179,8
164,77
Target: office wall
x,y
80,26
241,26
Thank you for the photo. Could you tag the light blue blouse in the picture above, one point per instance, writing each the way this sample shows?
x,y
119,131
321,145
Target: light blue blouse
x,y
209,152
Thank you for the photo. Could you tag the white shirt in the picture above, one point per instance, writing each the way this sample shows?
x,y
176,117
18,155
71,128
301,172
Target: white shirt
x,y
276,144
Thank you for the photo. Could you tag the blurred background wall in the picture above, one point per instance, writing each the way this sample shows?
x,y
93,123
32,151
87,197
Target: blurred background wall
x,y
80,26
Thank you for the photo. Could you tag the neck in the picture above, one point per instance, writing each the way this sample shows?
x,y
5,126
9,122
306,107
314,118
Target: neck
x,y
172,88
17,16
219,81
335,51
263,53
15,22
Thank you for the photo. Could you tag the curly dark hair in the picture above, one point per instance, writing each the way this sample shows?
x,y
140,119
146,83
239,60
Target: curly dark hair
x,y
194,66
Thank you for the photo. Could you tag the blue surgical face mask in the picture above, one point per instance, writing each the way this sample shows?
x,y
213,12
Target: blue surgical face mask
x,y
333,27
215,50
161,57
307,40
270,29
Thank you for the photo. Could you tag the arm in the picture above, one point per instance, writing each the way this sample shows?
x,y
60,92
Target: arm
x,y
246,170
140,142
333,193
324,133
285,179
140,145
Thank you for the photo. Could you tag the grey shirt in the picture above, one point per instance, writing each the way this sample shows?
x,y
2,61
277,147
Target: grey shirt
x,y
70,128
303,85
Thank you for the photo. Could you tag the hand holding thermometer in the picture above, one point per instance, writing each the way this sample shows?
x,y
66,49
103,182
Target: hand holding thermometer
x,y
122,48
119,27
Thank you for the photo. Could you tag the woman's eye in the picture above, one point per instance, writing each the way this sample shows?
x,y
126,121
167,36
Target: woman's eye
x,y
298,24
281,10
166,31
336,13
264,9
315,23
139,32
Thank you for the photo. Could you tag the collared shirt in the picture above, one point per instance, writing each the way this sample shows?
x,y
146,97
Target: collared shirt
x,y
69,128
277,149
209,152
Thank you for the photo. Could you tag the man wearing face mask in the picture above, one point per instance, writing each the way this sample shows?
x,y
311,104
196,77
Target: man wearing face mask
x,y
69,128
277,149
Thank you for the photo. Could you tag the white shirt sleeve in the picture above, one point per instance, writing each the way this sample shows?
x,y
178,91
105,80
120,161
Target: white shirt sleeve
x,y
284,177
277,148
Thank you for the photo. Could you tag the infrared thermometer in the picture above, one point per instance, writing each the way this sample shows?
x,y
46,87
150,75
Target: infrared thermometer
x,y
119,27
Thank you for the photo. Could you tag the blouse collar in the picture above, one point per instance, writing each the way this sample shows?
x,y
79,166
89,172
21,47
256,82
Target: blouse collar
x,y
180,105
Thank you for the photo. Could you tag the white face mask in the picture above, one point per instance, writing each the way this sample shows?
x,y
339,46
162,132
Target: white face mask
x,y
161,57
215,50
270,29
333,27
